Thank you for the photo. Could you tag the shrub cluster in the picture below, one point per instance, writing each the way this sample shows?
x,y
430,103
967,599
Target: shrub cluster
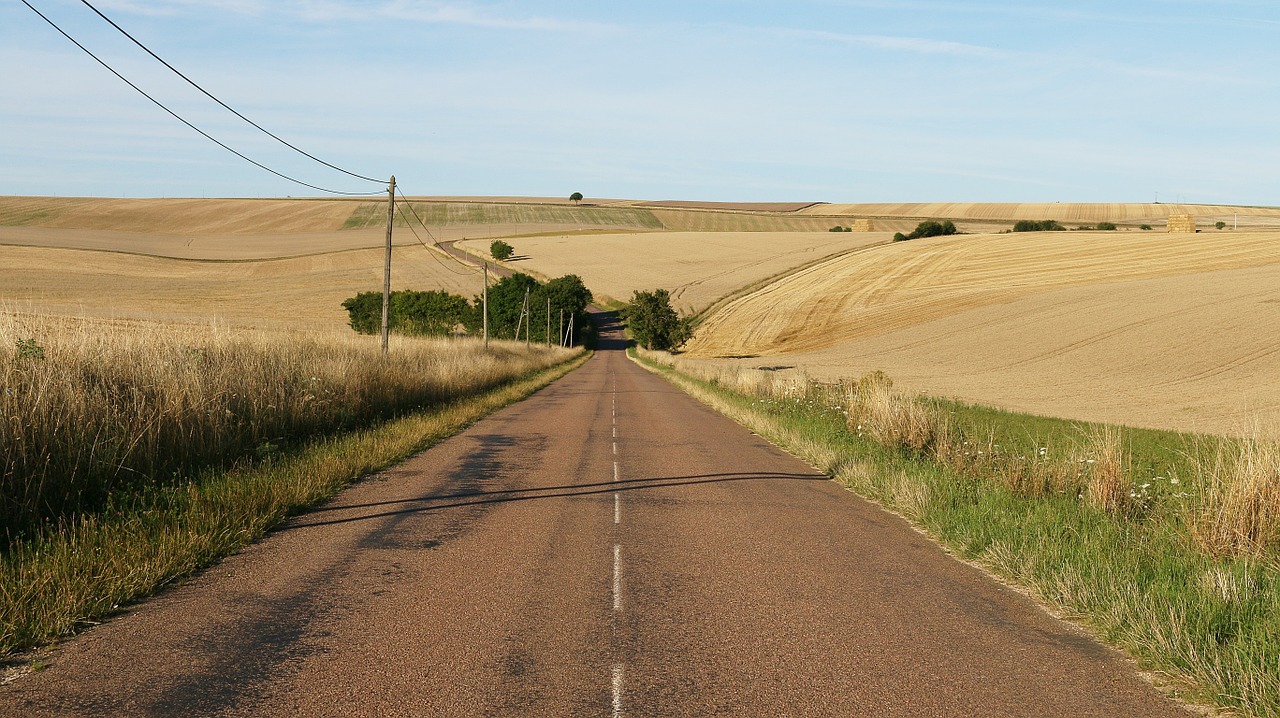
x,y
928,228
1041,225
438,313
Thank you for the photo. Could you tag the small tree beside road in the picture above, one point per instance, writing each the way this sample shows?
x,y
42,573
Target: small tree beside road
x,y
501,250
653,322
576,198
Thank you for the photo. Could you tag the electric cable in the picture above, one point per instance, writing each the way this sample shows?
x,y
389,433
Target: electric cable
x,y
178,117
230,109
434,241
428,247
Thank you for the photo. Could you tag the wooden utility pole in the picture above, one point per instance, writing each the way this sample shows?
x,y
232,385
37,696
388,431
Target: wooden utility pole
x,y
528,322
386,274
548,322
560,335
485,302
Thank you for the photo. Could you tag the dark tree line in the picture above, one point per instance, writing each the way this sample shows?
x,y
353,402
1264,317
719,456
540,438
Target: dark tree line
x,y
438,313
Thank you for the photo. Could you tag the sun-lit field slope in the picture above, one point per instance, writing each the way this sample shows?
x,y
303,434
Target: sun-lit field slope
x,y
697,268
507,214
1169,331
303,292
177,216
1065,212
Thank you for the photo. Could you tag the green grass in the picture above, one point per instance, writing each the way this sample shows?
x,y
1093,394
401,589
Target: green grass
x,y
70,577
452,214
1207,626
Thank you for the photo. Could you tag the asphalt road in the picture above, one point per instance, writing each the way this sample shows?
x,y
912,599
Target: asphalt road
x,y
608,547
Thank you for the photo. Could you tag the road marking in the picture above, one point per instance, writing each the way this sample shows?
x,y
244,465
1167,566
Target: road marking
x,y
617,690
617,577
617,508
615,471
615,432
615,448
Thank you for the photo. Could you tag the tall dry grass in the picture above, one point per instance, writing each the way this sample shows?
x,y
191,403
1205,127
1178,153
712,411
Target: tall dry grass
x,y
93,411
1237,512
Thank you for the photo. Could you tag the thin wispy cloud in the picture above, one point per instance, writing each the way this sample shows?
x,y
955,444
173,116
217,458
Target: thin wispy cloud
x,y
917,45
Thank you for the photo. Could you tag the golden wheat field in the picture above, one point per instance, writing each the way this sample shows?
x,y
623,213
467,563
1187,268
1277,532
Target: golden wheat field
x,y
1151,329
698,268
1065,212
297,293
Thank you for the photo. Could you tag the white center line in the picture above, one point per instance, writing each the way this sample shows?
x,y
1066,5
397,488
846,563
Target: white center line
x,y
617,690
617,577
617,509
615,448
615,471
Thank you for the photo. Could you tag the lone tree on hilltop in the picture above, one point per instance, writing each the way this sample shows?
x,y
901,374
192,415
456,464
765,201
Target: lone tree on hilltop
x,y
576,198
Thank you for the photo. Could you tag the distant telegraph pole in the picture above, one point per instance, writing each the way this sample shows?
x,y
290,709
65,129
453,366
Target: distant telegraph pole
x,y
486,305
548,322
386,274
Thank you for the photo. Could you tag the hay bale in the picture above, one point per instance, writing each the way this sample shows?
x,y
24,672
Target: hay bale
x,y
1182,223
863,225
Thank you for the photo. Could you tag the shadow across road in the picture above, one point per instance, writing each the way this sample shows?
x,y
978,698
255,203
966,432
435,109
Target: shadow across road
x,y
480,498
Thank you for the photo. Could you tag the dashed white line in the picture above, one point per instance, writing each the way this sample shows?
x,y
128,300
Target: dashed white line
x,y
617,690
615,471
617,577
617,508
615,448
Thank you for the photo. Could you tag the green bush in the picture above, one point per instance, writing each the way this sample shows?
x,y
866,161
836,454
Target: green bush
x,y
1043,225
1107,226
928,228
1144,226
429,313
567,294
501,250
1220,225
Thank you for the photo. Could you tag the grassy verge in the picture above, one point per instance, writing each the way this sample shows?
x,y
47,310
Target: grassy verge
x,y
1103,524
66,579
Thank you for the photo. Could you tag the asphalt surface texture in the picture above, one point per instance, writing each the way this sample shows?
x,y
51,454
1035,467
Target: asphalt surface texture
x,y
607,547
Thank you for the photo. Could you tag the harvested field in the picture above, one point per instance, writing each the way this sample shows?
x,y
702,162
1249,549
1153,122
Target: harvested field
x,y
1158,330
697,268
1069,213
301,293
730,206
524,217
686,220
178,216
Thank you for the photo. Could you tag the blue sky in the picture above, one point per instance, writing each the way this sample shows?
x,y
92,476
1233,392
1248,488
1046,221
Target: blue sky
x,y
823,100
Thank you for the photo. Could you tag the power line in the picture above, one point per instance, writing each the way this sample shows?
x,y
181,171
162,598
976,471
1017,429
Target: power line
x,y
178,117
434,241
230,109
424,244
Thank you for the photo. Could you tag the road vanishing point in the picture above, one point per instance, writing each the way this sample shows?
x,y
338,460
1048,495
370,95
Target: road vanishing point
x,y
607,547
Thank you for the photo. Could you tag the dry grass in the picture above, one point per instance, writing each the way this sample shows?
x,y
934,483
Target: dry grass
x,y
1238,509
1110,477
697,268
98,410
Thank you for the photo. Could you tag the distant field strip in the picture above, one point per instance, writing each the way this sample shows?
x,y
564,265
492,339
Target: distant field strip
x,y
908,283
177,216
452,214
1066,212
